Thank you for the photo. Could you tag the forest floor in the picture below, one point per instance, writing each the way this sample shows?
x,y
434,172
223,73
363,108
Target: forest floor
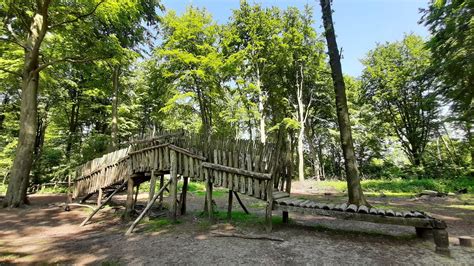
x,y
44,233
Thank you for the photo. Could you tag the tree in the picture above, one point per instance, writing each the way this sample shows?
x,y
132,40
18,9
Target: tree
x,y
50,33
252,31
452,46
397,81
190,61
352,173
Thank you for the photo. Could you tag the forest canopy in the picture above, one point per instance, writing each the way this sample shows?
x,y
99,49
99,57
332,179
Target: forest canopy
x,y
96,73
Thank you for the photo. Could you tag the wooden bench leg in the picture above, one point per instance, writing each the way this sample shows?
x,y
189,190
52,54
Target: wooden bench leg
x,y
441,240
285,217
424,233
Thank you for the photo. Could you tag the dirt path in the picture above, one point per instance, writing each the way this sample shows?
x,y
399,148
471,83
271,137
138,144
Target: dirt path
x,y
44,233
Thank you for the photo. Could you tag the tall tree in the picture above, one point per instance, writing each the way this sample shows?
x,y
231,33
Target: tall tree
x,y
451,24
397,81
50,33
354,188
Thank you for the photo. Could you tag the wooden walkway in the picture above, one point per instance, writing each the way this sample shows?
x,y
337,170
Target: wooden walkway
x,y
243,166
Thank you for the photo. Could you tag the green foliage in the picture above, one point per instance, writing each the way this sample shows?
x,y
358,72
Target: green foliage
x,y
413,185
397,82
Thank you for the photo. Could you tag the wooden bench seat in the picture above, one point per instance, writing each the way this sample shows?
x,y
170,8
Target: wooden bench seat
x,y
424,223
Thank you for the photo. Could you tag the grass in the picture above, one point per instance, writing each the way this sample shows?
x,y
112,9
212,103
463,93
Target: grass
x,y
156,225
407,185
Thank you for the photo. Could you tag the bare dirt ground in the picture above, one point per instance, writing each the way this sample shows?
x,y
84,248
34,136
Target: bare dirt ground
x,y
44,233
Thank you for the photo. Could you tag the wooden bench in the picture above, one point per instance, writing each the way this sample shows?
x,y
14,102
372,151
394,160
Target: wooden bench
x,y
424,224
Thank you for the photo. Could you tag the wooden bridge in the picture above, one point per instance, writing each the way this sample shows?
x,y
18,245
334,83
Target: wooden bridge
x,y
262,171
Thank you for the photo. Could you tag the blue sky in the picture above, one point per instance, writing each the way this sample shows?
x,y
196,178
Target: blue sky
x,y
359,24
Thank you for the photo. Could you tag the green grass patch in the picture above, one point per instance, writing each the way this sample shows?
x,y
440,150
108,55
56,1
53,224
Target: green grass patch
x,y
406,185
156,225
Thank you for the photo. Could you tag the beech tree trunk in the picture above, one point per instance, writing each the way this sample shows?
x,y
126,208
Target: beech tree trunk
x,y
114,124
20,171
354,188
261,109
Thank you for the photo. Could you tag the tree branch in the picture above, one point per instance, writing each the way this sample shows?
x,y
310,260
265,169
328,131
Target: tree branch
x,y
10,72
78,17
67,59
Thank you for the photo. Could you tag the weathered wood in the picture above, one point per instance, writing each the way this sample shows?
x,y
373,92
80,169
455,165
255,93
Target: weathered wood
x,y
416,222
441,240
363,209
129,202
209,207
173,184
269,209
147,208
222,234
241,203
184,192
279,195
351,208
141,151
466,241
261,176
186,152
151,193
99,196
229,206
103,203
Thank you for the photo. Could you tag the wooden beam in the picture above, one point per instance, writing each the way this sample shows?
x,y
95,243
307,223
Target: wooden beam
x,y
238,171
129,202
147,208
151,193
184,191
148,148
187,152
103,203
416,222
241,203
174,184
229,207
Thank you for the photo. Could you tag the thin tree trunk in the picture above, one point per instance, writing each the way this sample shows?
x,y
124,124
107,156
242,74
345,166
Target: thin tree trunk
x,y
352,174
301,120
20,171
115,103
261,109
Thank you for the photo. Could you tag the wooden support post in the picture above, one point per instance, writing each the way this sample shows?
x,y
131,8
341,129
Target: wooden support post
x,y
147,208
151,193
268,212
184,192
241,203
210,208
285,217
162,183
137,189
441,240
424,233
103,203
99,196
129,202
229,207
174,184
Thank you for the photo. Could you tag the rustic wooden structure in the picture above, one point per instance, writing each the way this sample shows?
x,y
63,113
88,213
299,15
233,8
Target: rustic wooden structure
x,y
245,167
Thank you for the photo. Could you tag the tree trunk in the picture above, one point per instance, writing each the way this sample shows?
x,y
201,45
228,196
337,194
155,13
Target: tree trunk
x,y
352,174
114,124
20,171
261,109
